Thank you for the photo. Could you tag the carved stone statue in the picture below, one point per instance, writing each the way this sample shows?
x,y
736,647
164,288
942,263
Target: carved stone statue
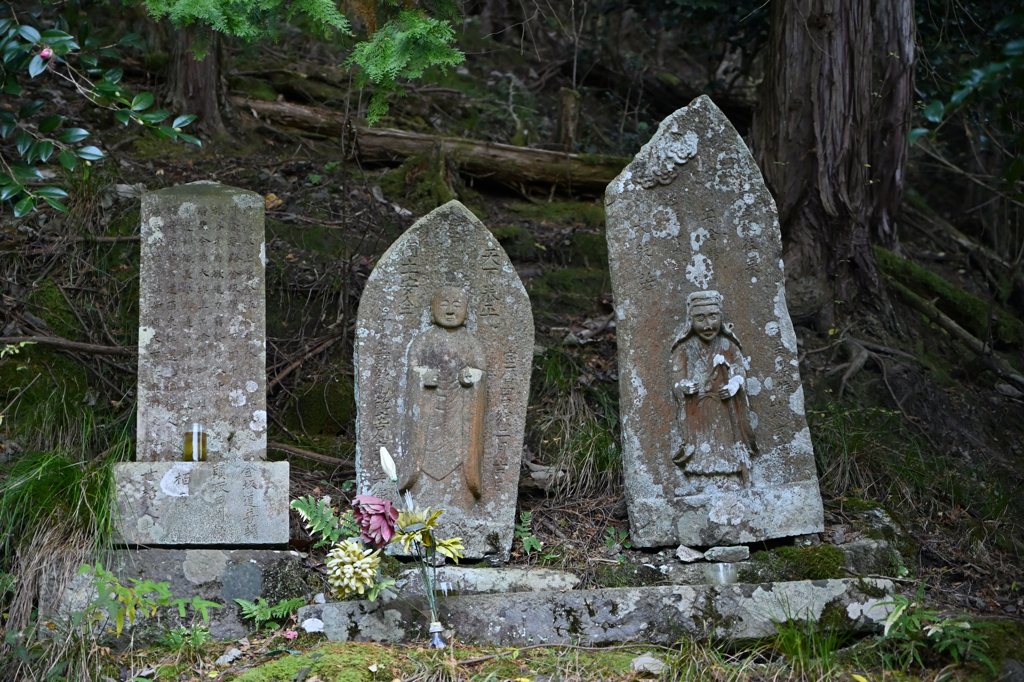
x,y
445,407
708,380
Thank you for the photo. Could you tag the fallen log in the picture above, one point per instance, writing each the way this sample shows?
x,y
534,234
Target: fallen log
x,y
73,346
504,162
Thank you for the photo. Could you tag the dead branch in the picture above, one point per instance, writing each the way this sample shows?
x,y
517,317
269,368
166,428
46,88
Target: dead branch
x,y
74,346
315,456
290,368
503,162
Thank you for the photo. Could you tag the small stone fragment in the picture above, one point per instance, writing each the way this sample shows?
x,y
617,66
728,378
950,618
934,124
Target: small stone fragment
x,y
728,555
647,664
319,598
687,555
230,657
1009,391
313,625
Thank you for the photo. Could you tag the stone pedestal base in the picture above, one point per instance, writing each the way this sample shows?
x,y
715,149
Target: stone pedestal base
x,y
597,617
215,575
201,504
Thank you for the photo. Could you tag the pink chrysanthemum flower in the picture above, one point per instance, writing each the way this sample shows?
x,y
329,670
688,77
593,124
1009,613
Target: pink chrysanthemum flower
x,y
376,519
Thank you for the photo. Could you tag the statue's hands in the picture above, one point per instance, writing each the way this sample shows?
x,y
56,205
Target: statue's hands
x,y
724,393
687,387
468,376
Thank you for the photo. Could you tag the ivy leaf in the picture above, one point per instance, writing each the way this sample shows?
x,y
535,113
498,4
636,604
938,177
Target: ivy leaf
x,y
29,108
933,112
68,160
142,101
49,124
36,66
89,153
24,206
29,34
72,135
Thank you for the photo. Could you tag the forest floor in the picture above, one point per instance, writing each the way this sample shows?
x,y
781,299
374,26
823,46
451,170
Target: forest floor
x,y
904,418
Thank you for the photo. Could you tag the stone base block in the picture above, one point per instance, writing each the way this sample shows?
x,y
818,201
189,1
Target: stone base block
x,y
597,617
727,518
216,575
202,504
462,580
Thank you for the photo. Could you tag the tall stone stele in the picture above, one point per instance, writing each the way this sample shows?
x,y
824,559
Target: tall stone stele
x,y
444,347
716,449
201,477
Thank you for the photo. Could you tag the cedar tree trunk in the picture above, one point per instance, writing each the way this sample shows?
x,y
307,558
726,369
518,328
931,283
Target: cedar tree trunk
x,y
197,86
830,136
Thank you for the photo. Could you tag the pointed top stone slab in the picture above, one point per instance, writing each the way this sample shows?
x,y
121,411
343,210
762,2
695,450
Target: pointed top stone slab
x,y
716,449
444,350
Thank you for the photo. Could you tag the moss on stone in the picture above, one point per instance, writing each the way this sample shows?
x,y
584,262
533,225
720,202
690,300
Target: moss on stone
x,y
627,575
968,310
796,563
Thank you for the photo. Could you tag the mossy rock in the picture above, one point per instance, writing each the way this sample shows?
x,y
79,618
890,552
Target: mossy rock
x,y
588,250
518,242
324,408
796,563
968,310
255,88
348,662
422,183
627,575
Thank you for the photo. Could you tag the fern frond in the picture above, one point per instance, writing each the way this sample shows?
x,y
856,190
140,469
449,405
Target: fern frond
x,y
320,519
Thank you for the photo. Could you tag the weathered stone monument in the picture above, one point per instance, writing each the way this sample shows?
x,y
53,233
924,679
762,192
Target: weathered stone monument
x,y
201,477
716,449
444,348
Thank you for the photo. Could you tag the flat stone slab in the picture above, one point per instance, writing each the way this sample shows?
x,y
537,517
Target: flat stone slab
x,y
202,503
218,575
462,580
604,616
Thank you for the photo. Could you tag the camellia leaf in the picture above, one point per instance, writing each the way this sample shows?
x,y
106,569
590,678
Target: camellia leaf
x,y
72,135
169,132
183,120
49,124
29,34
52,192
36,66
8,191
142,101
68,160
53,35
188,138
132,40
56,204
29,108
113,76
89,153
45,150
24,206
11,87
123,115
933,112
914,134
5,24
7,124
23,141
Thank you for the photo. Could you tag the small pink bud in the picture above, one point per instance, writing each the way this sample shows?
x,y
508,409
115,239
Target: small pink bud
x,y
46,53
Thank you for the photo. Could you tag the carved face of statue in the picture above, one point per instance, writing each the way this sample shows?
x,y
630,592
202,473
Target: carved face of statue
x,y
707,321
449,307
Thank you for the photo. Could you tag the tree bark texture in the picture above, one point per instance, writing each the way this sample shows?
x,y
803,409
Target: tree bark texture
x,y
492,160
830,136
197,86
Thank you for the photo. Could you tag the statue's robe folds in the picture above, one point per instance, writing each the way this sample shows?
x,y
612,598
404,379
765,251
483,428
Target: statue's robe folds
x,y
716,433
445,405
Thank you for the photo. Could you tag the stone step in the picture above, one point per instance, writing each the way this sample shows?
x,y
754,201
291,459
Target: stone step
x,y
463,580
604,616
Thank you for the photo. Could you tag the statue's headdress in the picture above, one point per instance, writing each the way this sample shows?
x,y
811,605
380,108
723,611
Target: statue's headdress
x,y
696,300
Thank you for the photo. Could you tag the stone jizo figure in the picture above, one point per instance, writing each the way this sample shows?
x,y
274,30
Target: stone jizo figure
x,y
708,379
447,400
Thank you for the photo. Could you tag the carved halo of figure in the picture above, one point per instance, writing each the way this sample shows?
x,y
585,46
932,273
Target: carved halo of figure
x,y
446,404
708,384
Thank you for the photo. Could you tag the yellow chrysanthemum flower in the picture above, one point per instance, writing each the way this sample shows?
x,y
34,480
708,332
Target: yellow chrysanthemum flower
x,y
415,525
451,548
350,568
